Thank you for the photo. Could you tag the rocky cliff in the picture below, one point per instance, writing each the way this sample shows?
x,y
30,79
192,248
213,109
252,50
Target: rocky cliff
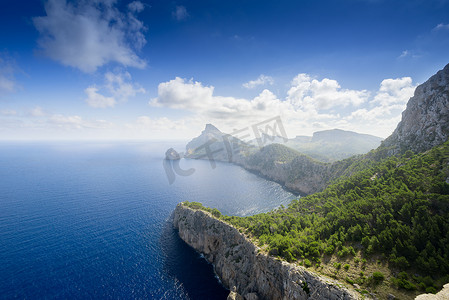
x,y
425,122
240,264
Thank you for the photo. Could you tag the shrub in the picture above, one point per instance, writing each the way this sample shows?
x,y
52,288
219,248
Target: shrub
x,y
216,213
307,263
337,266
378,277
346,266
402,282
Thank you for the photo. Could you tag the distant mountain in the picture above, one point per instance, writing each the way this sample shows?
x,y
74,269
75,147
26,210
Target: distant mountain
x,y
298,172
216,145
335,144
210,134
425,122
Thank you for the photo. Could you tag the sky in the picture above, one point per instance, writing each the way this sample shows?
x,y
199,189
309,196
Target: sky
x,y
158,69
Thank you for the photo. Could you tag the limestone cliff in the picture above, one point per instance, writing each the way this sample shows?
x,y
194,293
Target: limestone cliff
x,y
425,122
239,264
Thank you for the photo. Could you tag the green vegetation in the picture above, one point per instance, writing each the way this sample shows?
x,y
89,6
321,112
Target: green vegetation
x,y
378,277
393,209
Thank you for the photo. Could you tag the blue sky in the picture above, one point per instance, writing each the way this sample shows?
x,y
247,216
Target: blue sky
x,y
109,69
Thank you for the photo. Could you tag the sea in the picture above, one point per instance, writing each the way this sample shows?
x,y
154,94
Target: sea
x,y
91,220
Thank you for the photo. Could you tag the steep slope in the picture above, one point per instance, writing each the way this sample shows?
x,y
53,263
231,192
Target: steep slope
x,y
394,215
425,122
240,264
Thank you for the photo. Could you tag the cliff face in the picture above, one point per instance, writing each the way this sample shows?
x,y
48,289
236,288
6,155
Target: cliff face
x,y
238,263
288,167
425,122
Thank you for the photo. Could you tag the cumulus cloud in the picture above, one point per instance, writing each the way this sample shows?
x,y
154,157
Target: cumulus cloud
x,y
180,93
261,80
395,91
384,110
180,13
97,100
117,85
306,107
89,34
310,94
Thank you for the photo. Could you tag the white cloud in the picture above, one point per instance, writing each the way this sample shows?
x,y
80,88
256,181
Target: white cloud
x,y
311,94
306,108
96,100
441,26
136,6
261,80
89,34
119,87
180,13
384,111
180,93
395,91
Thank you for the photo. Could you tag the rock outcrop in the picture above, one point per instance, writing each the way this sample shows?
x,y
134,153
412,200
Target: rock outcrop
x,y
441,295
240,264
425,122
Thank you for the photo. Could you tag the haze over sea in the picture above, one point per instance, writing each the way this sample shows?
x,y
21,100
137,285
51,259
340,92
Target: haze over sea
x,y
91,220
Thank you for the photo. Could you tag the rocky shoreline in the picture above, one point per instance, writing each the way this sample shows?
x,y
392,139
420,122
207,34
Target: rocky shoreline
x,y
246,271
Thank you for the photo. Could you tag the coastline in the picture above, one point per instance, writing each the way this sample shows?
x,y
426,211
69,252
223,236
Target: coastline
x,y
244,269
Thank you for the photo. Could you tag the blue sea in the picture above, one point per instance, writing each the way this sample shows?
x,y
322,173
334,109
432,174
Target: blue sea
x,y
91,220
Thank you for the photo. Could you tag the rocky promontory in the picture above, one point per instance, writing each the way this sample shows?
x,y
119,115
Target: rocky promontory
x,y
243,268
425,122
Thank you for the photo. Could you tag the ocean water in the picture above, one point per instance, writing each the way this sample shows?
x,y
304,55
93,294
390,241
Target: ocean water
x,y
91,220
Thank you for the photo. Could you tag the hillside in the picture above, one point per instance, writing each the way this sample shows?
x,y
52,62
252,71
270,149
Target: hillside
x,y
396,211
381,221
296,171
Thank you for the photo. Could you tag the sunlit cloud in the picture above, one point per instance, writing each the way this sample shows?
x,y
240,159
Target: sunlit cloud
x,y
260,81
307,107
